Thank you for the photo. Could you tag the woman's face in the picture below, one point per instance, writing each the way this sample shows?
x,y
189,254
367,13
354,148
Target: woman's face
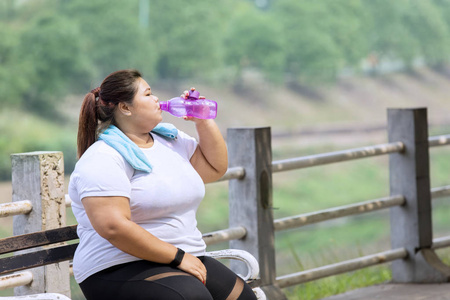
x,y
145,110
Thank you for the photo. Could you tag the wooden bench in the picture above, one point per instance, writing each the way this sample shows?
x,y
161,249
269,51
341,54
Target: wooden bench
x,y
58,245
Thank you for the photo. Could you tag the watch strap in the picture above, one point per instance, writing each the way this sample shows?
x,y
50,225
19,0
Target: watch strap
x,y
178,258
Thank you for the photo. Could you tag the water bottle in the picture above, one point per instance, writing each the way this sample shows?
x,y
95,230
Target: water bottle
x,y
191,107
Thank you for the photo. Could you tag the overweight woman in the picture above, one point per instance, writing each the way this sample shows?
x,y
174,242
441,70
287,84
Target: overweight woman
x,y
135,191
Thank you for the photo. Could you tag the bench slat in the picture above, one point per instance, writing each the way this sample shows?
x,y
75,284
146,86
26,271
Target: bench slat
x,y
35,239
37,259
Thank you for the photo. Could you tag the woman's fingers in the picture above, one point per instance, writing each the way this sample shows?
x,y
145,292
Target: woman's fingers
x,y
185,94
193,266
202,277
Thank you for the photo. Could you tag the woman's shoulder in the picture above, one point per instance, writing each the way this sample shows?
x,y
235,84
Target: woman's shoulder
x,y
100,171
102,154
101,159
100,149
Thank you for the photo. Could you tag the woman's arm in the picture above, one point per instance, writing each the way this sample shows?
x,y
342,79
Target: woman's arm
x,y
210,159
111,218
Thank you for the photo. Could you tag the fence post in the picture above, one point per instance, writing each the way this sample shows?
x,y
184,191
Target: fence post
x,y
250,201
39,177
411,224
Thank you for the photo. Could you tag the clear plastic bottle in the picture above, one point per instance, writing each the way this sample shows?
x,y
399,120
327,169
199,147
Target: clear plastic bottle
x,y
191,107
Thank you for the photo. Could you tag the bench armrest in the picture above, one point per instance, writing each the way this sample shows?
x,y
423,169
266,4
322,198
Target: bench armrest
x,y
244,256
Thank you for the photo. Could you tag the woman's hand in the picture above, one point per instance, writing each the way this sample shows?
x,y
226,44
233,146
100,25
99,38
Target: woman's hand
x,y
192,265
185,95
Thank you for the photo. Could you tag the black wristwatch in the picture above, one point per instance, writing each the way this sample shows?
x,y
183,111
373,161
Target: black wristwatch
x,y
178,258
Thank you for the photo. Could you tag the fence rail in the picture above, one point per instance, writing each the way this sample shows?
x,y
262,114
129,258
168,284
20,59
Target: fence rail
x,y
334,157
15,208
440,192
225,235
250,194
440,140
441,242
233,173
342,267
338,212
14,280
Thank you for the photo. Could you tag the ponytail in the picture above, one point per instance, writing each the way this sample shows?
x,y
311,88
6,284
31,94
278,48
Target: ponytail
x,y
87,125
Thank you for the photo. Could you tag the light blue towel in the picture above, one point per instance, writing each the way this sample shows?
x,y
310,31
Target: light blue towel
x,y
115,138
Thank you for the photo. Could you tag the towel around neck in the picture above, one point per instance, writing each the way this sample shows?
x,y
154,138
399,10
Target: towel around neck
x,y
116,139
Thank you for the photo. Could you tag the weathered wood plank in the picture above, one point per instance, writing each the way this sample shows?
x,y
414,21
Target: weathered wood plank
x,y
37,259
40,238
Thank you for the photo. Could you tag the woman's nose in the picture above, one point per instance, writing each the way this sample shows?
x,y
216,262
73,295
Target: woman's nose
x,y
156,98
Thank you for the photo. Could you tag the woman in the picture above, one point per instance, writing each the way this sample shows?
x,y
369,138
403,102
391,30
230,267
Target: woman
x,y
135,192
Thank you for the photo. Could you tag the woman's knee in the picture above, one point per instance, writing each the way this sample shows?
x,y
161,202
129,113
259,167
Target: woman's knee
x,y
247,294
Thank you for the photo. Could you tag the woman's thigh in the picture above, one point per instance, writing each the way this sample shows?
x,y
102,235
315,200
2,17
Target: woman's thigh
x,y
143,280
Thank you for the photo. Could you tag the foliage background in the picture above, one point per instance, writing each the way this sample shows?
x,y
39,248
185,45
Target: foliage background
x,y
53,48
50,50
288,64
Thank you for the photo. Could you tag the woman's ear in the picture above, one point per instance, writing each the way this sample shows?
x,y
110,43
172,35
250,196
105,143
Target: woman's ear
x,y
124,109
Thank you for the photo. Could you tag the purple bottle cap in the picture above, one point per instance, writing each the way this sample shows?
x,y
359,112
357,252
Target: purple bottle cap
x,y
193,95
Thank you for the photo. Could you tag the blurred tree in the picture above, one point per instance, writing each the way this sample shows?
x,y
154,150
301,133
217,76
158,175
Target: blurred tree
x,y
6,9
389,37
443,6
311,52
345,23
255,39
111,35
51,47
187,35
14,74
427,25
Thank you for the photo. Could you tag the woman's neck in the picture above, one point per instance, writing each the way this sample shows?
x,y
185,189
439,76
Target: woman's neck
x,y
141,140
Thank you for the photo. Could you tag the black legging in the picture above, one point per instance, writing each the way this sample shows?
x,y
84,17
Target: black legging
x,y
144,280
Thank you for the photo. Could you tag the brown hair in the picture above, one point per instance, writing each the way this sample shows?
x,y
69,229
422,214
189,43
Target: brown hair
x,y
97,109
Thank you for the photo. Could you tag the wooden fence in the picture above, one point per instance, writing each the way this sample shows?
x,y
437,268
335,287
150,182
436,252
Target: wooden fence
x,y
39,203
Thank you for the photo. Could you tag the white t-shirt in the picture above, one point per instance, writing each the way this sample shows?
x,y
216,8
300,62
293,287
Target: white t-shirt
x,y
164,202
